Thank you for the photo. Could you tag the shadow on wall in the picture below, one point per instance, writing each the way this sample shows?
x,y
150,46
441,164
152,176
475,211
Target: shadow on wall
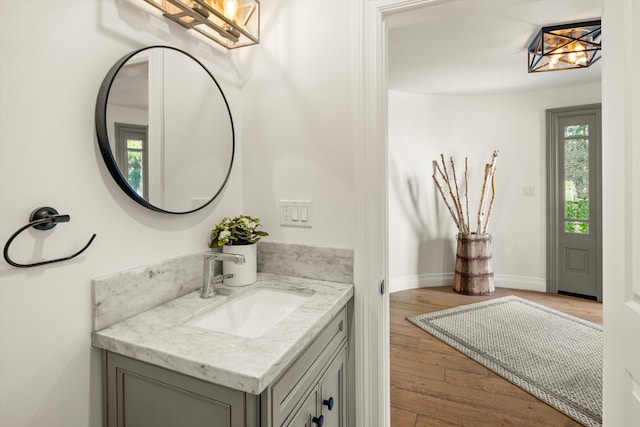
x,y
437,255
430,226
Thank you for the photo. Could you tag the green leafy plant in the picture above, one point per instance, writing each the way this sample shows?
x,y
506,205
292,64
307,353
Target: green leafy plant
x,y
577,209
241,230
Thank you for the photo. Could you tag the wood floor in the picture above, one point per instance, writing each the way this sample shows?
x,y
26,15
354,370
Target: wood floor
x,y
433,384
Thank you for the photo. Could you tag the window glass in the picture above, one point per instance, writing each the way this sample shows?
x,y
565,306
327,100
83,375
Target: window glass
x,y
576,178
135,176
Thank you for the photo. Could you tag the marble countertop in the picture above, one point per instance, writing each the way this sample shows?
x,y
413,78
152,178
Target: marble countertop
x,y
162,336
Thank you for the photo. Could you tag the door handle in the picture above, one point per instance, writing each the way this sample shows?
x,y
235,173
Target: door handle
x,y
318,420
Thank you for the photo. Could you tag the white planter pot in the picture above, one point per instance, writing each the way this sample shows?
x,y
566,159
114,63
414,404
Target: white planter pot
x,y
244,274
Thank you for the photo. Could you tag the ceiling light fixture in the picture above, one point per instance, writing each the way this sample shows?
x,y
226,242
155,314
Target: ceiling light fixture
x,y
230,23
562,47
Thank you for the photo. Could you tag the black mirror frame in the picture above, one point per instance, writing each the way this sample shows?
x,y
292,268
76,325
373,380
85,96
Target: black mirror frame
x,y
103,137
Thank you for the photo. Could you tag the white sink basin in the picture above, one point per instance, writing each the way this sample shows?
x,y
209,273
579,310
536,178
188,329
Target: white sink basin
x,y
252,314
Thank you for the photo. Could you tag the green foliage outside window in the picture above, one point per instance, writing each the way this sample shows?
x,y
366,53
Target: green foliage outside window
x,y
578,209
135,170
576,173
576,165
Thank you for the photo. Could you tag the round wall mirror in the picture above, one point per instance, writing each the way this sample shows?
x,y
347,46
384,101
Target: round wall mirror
x,y
165,130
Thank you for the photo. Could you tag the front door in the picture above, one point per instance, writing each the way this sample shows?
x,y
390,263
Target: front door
x,y
574,184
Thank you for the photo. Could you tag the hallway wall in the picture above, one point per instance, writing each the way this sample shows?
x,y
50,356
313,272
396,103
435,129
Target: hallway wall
x,y
422,232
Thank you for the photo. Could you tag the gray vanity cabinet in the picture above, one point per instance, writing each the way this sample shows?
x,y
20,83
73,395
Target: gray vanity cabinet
x,y
326,404
295,399
144,395
332,390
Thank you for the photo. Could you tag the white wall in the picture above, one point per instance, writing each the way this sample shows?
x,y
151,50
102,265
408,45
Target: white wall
x,y
422,232
300,118
292,98
50,72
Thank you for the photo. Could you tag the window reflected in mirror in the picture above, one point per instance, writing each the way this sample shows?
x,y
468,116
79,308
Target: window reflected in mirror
x,y
131,156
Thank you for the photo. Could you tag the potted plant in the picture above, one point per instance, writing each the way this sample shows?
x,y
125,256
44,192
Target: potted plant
x,y
238,235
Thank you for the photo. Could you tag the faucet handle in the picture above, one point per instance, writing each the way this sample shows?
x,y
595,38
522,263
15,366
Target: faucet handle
x,y
220,277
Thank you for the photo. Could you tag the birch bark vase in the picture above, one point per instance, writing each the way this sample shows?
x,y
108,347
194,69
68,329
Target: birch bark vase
x,y
244,274
474,274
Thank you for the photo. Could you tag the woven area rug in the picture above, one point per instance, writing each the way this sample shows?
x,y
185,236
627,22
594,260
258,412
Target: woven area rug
x,y
552,355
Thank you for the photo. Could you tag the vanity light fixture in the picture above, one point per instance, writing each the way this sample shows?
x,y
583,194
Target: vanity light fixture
x,y
230,23
566,46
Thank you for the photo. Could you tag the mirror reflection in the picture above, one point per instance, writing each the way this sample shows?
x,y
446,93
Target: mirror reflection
x,y
167,133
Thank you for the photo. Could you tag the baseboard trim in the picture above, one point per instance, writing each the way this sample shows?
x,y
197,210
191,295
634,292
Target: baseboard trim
x,y
420,281
446,279
525,283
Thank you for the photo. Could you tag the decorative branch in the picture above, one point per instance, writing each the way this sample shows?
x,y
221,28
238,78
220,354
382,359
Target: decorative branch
x,y
454,199
445,200
451,196
458,203
480,214
437,166
466,189
488,177
493,196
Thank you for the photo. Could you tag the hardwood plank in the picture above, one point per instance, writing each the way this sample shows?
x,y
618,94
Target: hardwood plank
x,y
405,341
499,403
443,358
489,383
419,370
400,418
423,421
436,385
433,411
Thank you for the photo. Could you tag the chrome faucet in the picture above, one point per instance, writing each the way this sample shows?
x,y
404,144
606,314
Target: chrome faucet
x,y
210,279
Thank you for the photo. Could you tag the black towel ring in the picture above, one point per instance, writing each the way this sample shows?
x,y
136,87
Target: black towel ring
x,y
43,218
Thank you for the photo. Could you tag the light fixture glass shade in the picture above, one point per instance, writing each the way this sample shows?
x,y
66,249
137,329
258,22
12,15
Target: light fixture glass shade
x,y
230,23
562,47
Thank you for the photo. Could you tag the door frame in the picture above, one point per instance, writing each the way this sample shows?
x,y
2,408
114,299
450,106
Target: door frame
x,y
554,226
620,213
371,257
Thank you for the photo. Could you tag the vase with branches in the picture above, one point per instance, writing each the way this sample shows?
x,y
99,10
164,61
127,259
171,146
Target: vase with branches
x,y
473,273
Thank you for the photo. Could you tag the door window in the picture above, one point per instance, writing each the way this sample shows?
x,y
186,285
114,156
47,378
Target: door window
x,y
576,178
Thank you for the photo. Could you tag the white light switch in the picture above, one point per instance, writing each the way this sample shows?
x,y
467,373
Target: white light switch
x,y
296,213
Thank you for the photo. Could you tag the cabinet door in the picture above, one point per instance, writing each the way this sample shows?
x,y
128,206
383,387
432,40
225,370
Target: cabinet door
x,y
333,392
143,395
306,413
291,387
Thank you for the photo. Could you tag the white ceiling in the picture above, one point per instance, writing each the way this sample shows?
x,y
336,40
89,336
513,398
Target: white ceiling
x,y
480,46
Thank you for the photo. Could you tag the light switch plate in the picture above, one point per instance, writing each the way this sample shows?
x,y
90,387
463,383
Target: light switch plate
x,y
290,213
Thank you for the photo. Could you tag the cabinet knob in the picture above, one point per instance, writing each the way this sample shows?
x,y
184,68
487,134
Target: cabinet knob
x,y
318,420
328,403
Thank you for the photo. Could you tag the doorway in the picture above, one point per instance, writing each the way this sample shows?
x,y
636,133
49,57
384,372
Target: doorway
x,y
574,194
619,207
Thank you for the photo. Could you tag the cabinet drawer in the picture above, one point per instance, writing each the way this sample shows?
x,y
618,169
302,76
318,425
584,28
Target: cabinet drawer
x,y
290,387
